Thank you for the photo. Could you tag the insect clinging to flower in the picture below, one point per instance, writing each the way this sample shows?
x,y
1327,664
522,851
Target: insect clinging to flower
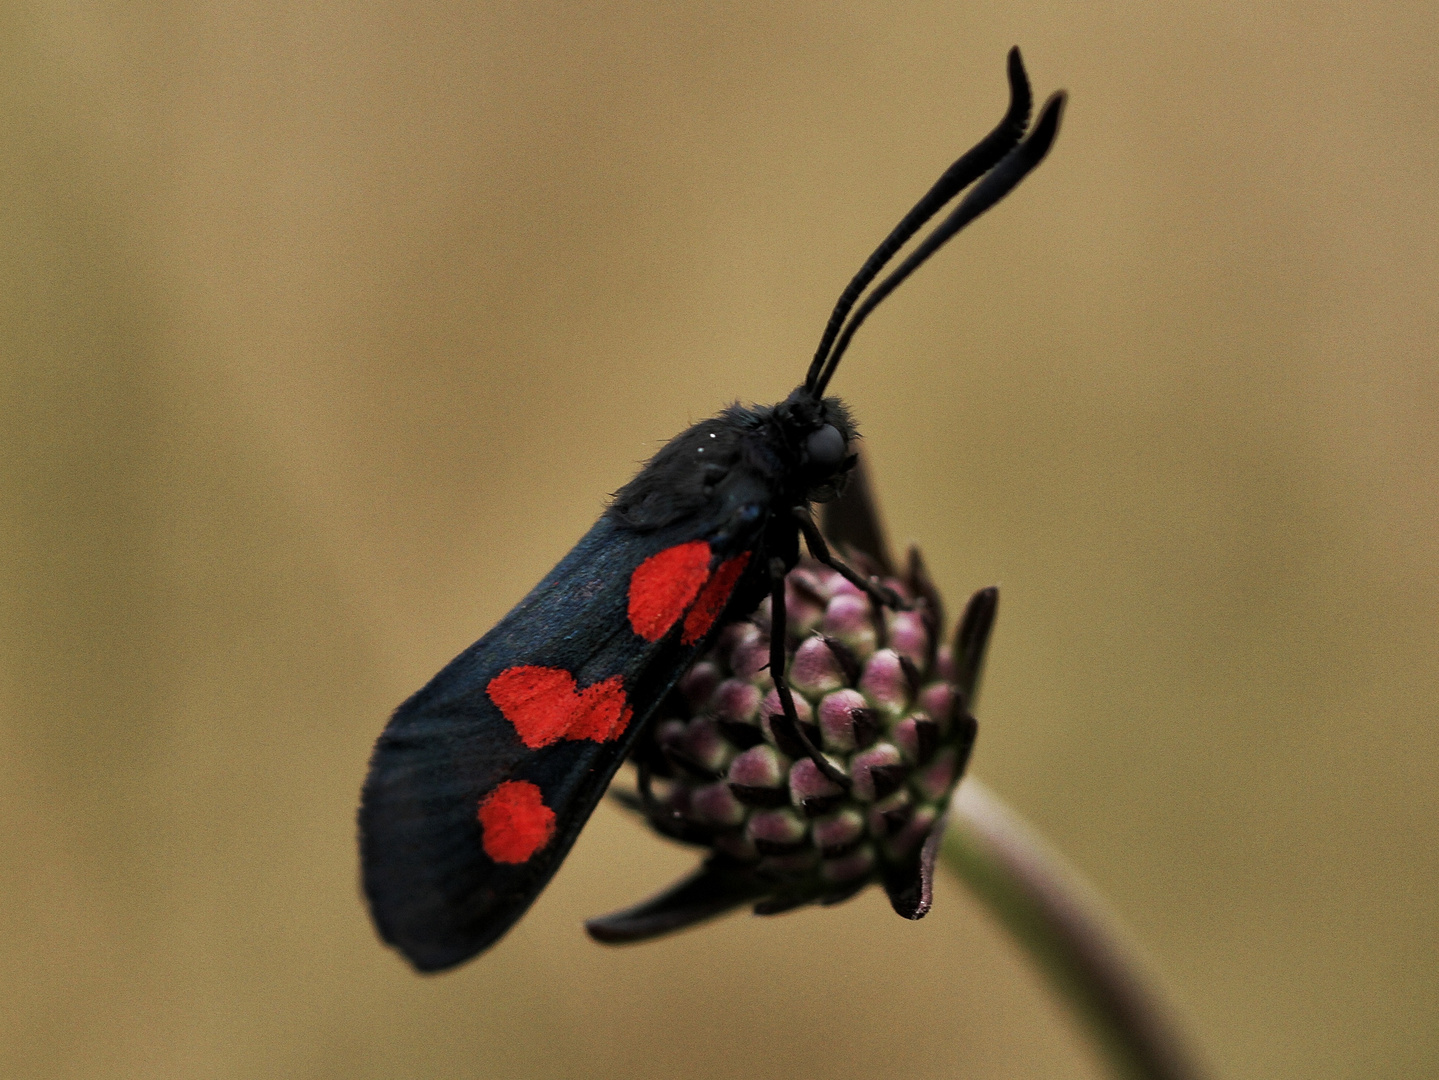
x,y
832,764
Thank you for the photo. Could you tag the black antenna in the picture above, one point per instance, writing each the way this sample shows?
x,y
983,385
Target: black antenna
x,y
997,183
973,164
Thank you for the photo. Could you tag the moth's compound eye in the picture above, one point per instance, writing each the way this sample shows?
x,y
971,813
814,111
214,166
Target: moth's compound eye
x,y
825,447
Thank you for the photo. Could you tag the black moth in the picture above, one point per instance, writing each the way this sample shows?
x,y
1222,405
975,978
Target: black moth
x,y
482,780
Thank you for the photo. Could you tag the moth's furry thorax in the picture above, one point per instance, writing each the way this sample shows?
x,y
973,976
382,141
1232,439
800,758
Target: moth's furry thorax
x,y
747,455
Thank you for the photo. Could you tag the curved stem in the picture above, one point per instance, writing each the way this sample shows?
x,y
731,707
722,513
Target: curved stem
x,y
1065,927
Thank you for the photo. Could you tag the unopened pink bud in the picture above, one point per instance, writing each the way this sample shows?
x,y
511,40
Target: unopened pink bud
x,y
937,699
935,779
751,656
815,669
944,664
909,638
848,618
715,804
760,766
807,784
737,700
775,827
873,771
885,683
836,719
705,746
839,830
771,706
918,736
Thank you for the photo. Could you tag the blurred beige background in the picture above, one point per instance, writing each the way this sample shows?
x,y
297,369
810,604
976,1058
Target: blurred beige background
x,y
327,327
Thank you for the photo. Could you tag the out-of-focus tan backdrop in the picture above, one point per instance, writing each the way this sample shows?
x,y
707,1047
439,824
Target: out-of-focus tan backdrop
x,y
327,328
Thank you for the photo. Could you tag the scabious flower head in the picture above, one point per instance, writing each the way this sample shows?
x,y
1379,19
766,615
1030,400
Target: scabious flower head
x,y
856,795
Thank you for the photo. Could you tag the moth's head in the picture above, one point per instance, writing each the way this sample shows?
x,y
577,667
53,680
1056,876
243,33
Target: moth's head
x,y
820,435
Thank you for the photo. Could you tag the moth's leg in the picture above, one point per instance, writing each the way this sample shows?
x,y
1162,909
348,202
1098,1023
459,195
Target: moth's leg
x,y
646,789
666,821
642,801
790,720
879,595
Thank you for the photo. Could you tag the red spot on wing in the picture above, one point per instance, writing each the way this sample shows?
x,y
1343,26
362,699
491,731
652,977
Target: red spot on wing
x,y
712,598
516,821
664,585
545,706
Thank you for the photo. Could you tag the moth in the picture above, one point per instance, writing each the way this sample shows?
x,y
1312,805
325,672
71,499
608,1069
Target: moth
x,y
482,780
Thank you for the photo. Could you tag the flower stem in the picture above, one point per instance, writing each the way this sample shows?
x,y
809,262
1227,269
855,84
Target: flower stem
x,y
1065,927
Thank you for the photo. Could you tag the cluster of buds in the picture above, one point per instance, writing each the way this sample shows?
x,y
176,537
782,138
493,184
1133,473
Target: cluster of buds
x,y
855,793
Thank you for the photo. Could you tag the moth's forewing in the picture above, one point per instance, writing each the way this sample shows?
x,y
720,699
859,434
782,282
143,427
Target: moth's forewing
x,y
482,780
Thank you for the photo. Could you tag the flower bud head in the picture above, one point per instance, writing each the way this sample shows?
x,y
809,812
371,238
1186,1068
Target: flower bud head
x,y
813,811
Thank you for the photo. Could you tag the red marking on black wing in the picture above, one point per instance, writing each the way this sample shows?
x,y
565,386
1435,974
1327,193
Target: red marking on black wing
x,y
551,700
515,821
713,598
545,705
665,585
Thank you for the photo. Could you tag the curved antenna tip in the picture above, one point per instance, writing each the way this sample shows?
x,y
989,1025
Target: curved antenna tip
x,y
1020,96
1047,126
